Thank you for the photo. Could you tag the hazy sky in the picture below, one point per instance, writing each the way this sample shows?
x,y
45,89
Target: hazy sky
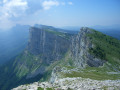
x,y
59,12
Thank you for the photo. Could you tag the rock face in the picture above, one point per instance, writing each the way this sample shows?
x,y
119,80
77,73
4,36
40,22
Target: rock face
x,y
47,44
80,50
55,74
73,84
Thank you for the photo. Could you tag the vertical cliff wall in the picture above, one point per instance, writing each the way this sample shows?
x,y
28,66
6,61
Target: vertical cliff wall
x,y
80,50
50,45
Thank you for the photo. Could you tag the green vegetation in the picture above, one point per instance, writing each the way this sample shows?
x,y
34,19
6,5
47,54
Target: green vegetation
x,y
61,34
39,88
17,70
93,73
70,61
46,76
98,52
27,63
106,47
50,89
67,60
55,32
20,67
61,63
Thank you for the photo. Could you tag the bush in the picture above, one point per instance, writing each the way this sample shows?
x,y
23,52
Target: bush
x,y
39,88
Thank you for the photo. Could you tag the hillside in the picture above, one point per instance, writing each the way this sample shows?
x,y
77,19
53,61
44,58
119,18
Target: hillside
x,y
86,66
106,48
52,55
92,56
112,32
44,48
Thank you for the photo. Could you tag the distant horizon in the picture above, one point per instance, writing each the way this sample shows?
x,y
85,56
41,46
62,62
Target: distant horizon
x,y
76,28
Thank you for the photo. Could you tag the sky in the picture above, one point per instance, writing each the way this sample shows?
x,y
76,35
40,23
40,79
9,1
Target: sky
x,y
59,13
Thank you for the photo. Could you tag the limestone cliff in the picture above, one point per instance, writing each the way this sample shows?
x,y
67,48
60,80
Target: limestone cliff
x,y
79,54
51,45
90,49
89,58
80,50
45,47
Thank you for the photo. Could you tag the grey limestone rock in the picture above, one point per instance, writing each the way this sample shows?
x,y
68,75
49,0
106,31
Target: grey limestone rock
x,y
50,46
79,50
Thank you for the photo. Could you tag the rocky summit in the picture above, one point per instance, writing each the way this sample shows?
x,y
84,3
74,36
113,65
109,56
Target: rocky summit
x,y
80,50
56,59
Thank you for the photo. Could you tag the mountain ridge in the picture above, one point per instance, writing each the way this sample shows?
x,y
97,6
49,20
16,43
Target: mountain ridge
x,y
63,55
81,63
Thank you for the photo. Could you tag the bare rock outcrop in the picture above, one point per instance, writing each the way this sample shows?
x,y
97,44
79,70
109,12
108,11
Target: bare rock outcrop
x,y
80,50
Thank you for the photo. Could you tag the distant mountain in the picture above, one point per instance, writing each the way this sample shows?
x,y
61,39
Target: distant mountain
x,y
52,54
114,33
116,27
113,30
71,28
12,42
65,30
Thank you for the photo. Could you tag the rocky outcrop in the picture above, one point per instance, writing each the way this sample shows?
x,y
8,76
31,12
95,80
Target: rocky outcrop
x,y
80,50
55,74
80,54
49,45
73,84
